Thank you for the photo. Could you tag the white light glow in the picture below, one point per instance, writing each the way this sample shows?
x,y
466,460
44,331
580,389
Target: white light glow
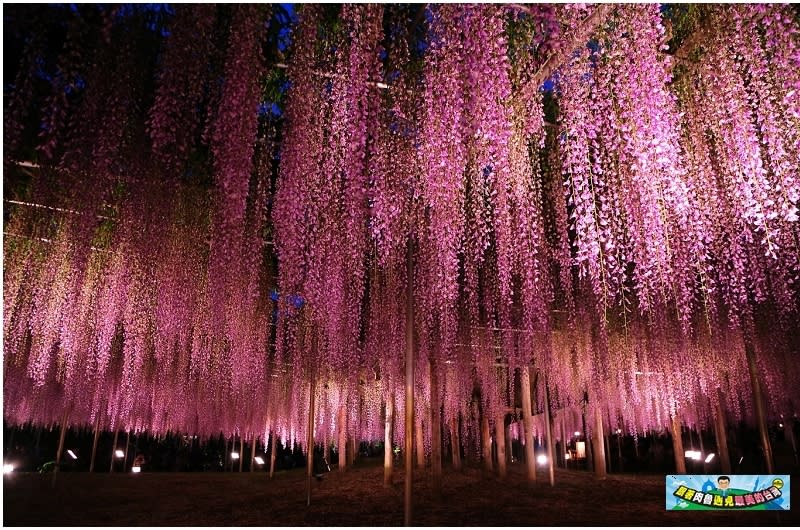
x,y
709,458
235,456
694,455
8,468
577,433
73,455
119,453
259,461
567,456
136,469
541,459
780,425
619,431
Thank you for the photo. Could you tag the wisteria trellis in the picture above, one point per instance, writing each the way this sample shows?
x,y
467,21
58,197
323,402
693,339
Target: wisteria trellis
x,y
629,250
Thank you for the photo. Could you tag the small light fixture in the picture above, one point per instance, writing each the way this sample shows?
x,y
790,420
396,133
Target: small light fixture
x,y
259,461
136,469
119,453
235,455
780,425
73,455
694,455
619,431
7,468
541,459
567,456
710,457
577,433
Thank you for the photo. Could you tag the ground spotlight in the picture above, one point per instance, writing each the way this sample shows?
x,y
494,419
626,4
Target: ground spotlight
x,y
259,461
541,459
119,453
8,468
73,455
710,457
136,469
235,455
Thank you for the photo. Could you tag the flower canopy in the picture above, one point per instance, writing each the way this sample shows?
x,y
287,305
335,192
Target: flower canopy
x,y
200,220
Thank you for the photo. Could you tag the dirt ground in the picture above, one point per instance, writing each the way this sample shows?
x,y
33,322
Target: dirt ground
x,y
355,497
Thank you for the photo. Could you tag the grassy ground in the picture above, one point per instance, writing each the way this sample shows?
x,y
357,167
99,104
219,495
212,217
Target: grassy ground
x,y
353,498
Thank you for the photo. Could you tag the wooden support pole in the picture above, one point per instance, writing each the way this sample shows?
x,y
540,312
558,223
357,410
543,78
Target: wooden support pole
x,y
409,445
527,421
273,452
420,443
564,447
94,443
677,446
342,437
253,445
310,439
509,445
327,451
788,432
114,450
388,455
455,443
721,433
549,433
61,439
597,444
758,402
436,432
500,441
241,453
127,446
486,443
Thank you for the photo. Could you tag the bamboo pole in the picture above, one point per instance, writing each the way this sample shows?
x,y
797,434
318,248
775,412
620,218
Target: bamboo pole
x,y
455,443
597,444
500,441
436,432
758,401
409,445
388,456
310,439
527,421
61,439
549,434
273,452
94,443
114,450
721,433
677,446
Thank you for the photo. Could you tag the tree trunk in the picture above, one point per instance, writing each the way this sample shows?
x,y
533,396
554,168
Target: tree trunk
x,y
114,451
549,433
273,452
420,444
342,438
